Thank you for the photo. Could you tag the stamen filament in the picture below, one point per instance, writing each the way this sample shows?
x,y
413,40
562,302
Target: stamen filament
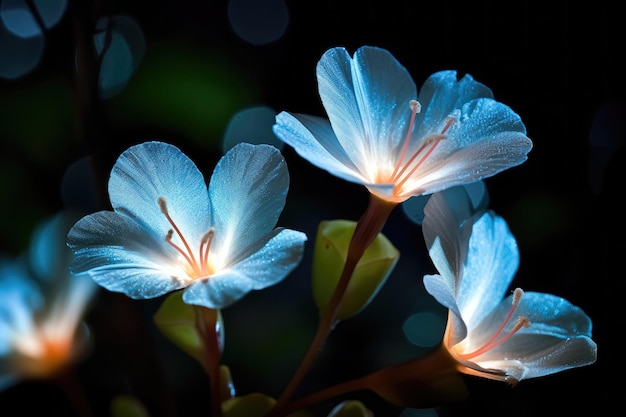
x,y
168,239
205,248
416,107
433,139
399,177
491,343
190,258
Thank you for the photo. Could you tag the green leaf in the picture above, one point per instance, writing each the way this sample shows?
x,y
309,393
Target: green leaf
x,y
329,256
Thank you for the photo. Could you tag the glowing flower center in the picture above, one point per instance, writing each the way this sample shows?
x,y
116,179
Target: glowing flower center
x,y
405,168
200,266
498,337
43,354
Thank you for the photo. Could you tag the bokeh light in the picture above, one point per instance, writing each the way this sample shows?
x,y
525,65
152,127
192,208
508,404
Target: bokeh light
x,y
121,43
258,22
252,125
19,56
424,329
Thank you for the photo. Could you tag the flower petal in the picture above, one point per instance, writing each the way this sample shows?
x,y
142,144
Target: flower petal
x,y
490,138
492,261
366,99
268,266
248,191
314,140
440,94
122,256
145,172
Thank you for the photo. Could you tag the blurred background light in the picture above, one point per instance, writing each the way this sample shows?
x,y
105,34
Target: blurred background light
x,y
424,329
258,22
121,43
252,125
18,17
19,56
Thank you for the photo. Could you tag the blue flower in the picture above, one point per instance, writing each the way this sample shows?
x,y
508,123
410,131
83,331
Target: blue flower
x,y
42,307
168,232
397,144
508,338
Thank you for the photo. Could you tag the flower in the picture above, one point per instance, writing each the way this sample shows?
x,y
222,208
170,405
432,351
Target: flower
x,y
167,232
525,335
42,307
379,134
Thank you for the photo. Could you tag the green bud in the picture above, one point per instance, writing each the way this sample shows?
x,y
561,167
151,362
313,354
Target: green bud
x,y
183,325
329,256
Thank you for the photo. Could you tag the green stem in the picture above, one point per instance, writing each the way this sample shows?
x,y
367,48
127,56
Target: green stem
x,y
366,230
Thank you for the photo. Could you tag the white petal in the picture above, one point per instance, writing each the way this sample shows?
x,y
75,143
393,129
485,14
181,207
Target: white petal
x,y
247,191
145,172
122,256
442,292
270,265
442,93
492,261
314,140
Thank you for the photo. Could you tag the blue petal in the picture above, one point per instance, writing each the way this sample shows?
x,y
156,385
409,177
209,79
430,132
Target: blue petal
x,y
550,314
487,139
492,261
145,172
314,140
122,256
247,191
444,214
483,118
439,288
268,266
441,93
366,99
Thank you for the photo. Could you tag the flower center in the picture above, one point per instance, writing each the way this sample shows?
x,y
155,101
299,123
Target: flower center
x,y
499,335
407,165
197,267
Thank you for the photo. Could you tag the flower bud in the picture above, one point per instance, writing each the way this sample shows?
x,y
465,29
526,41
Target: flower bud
x,y
329,256
183,324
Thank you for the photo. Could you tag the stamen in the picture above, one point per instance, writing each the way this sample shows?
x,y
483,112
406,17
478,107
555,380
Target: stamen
x,y
400,177
205,248
189,254
416,107
521,322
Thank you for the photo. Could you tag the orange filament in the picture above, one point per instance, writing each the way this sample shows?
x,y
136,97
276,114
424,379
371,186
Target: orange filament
x,y
403,171
493,341
201,268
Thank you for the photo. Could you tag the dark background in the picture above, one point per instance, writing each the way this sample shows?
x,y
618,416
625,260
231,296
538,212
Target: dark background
x,y
559,66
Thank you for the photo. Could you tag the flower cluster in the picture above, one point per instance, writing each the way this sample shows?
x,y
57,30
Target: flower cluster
x,y
204,248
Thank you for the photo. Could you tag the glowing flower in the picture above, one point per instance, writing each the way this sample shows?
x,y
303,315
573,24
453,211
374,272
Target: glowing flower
x,y
382,135
168,233
42,307
525,335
